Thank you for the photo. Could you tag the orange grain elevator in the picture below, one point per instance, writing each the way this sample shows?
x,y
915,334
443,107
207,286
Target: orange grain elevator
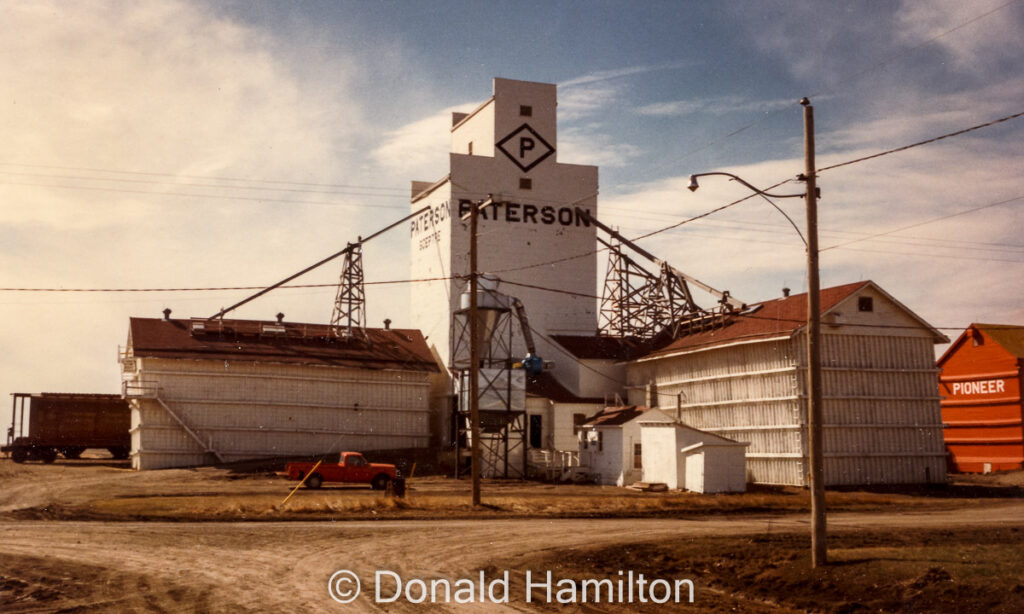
x,y
980,385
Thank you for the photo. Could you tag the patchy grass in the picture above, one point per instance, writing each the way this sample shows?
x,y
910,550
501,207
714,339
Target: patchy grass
x,y
440,498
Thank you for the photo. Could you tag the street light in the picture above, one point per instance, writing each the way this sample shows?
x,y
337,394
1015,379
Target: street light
x,y
814,404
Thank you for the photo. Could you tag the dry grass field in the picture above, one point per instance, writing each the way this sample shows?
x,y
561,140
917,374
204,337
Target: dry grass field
x,y
95,536
100,489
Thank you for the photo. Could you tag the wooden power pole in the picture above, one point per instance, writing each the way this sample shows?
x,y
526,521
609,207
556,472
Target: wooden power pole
x,y
474,360
819,556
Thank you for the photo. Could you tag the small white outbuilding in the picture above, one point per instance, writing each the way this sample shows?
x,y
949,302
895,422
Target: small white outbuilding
x,y
690,459
610,444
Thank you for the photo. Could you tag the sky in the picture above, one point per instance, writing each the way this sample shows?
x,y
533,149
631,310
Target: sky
x,y
179,144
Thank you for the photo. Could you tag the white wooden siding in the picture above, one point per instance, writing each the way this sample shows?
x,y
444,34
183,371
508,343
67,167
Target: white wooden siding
x,y
250,410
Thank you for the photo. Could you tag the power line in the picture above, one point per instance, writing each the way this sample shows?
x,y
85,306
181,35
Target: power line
x,y
769,114
904,52
921,255
933,220
546,289
644,236
770,228
221,288
200,177
925,142
208,185
209,196
749,316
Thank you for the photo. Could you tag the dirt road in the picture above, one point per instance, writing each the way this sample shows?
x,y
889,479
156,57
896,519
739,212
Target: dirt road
x,y
284,567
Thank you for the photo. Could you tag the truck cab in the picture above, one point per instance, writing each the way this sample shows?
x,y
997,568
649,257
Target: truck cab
x,y
351,468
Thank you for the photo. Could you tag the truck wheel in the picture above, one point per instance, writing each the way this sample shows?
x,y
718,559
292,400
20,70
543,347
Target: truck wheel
x,y
380,482
19,455
314,481
119,452
72,452
47,455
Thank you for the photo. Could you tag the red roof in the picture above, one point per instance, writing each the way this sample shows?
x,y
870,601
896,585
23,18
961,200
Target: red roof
x,y
782,316
616,416
287,342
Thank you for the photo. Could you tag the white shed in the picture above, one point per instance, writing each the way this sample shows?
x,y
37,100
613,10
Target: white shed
x,y
690,459
610,444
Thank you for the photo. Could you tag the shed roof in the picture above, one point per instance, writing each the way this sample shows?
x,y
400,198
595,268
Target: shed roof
x,y
616,416
676,424
286,342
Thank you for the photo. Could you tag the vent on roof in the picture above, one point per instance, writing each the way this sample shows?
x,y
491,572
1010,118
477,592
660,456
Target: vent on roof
x,y
167,313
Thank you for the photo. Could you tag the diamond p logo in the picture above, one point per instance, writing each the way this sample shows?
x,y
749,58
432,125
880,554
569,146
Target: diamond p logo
x,y
525,147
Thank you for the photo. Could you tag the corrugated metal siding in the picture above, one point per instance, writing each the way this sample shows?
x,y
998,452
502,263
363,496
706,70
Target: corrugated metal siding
x,y
981,387
251,410
881,412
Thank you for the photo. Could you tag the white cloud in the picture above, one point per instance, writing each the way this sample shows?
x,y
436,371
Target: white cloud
x,y
169,88
912,115
717,106
617,73
575,103
161,87
420,148
588,145
979,33
939,269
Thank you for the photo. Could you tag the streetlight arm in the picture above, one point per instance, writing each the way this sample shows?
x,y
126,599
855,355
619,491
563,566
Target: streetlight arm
x,y
693,185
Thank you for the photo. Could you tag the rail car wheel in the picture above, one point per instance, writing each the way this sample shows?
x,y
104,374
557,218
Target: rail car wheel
x,y
314,481
72,452
19,455
47,455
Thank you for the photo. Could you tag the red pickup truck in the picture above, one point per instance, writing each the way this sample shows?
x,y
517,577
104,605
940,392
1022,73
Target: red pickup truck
x,y
351,468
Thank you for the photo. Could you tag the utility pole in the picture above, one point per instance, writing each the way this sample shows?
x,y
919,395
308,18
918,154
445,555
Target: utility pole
x,y
819,550
815,453
474,351
474,361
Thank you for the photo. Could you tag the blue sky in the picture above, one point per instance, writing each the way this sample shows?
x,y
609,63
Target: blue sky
x,y
170,144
